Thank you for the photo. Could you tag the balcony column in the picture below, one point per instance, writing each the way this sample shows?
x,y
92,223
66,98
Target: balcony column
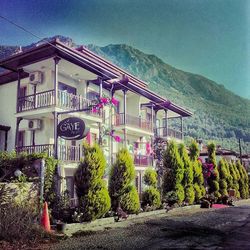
x,y
56,62
55,135
99,124
112,92
18,120
125,116
182,128
18,88
152,124
156,129
166,122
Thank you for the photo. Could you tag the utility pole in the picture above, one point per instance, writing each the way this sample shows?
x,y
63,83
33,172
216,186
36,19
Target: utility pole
x,y
240,151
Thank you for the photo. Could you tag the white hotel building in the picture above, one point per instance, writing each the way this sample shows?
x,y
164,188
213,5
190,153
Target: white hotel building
x,y
43,81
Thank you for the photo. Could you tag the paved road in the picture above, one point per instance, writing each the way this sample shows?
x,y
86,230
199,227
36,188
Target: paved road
x,y
227,228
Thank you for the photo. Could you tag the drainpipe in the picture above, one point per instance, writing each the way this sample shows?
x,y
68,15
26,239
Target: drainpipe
x,y
56,62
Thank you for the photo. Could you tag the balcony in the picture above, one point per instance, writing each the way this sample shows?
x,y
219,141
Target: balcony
x,y
46,99
65,152
43,148
140,160
133,121
168,132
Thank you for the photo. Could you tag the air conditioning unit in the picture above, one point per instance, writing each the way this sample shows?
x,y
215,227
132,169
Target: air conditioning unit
x,y
35,124
35,77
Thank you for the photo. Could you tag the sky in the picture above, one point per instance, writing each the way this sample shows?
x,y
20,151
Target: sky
x,y
206,37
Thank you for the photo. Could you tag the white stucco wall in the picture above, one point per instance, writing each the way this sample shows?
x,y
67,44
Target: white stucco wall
x,y
8,109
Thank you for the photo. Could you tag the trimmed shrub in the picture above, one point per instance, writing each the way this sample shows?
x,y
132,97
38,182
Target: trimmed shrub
x,y
130,201
121,181
243,181
223,177
173,166
174,172
235,184
150,177
229,178
194,150
199,186
197,192
213,180
189,194
188,175
95,203
198,181
91,190
180,193
151,197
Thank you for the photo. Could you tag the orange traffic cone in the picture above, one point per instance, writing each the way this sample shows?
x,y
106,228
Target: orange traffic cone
x,y
45,223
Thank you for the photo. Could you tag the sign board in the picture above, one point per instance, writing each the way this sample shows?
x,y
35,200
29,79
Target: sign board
x,y
71,129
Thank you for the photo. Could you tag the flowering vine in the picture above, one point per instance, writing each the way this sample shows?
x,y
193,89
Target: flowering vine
x,y
207,169
104,101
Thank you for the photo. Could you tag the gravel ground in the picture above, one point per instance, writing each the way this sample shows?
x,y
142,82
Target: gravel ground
x,y
227,228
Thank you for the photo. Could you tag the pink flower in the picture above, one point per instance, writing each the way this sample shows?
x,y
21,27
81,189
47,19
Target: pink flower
x,y
117,138
100,105
199,159
112,132
95,110
114,101
104,100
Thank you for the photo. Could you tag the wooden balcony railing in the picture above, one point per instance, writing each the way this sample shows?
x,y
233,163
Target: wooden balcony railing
x,y
143,160
70,153
132,121
46,99
43,148
164,132
139,160
65,152
39,100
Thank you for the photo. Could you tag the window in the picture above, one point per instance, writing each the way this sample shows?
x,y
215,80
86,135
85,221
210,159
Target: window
x,y
23,91
164,122
70,186
68,89
92,95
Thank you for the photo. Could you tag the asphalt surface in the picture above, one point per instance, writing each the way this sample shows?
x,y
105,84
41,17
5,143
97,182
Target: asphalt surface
x,y
227,228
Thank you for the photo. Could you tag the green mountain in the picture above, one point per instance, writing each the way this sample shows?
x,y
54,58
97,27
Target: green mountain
x,y
219,114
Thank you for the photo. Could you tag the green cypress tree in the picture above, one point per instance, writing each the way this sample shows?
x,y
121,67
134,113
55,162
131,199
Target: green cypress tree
x,y
194,150
121,183
188,175
150,177
229,176
243,181
199,186
94,200
223,177
213,180
151,196
173,172
234,175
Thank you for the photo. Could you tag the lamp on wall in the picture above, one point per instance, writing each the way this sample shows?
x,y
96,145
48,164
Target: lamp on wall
x,y
18,173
